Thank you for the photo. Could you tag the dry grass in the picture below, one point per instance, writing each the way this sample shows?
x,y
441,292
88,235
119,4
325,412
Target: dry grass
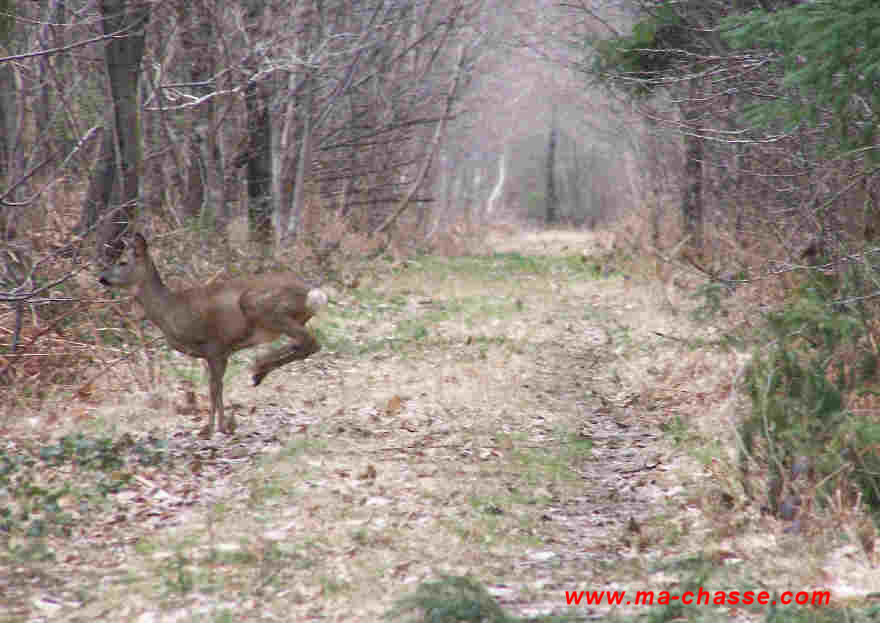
x,y
543,420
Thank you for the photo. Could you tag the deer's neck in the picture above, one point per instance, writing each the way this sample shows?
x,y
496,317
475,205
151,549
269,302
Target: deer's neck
x,y
155,297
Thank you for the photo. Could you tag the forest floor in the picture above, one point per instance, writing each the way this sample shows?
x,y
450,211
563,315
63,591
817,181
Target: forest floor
x,y
542,417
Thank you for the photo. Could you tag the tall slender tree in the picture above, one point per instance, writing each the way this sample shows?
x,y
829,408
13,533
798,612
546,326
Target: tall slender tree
x,y
126,20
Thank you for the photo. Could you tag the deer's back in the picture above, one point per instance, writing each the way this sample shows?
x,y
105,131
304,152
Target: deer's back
x,y
227,314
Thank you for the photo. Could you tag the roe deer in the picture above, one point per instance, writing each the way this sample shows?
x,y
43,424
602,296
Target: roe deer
x,y
213,321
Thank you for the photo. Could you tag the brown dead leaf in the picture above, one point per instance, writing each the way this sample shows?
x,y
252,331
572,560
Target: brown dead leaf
x,y
395,404
78,416
190,404
369,473
633,526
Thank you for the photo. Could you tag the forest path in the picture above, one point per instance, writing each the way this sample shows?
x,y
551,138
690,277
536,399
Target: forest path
x,y
525,416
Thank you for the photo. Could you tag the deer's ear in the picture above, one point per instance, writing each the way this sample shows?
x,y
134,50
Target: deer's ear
x,y
140,245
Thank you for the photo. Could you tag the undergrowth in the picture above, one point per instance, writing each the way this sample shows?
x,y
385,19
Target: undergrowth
x,y
813,389
45,489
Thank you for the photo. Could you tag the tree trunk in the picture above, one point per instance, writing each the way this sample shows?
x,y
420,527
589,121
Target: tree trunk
x,y
197,40
498,189
12,162
303,165
194,195
283,117
552,198
8,123
123,55
43,103
212,159
692,195
259,166
101,183
50,34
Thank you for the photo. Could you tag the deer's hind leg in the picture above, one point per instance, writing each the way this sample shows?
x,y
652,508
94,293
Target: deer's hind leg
x,y
302,345
284,312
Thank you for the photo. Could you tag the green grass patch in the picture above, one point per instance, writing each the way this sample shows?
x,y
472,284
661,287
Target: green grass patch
x,y
547,464
676,428
502,266
267,488
53,487
414,311
340,332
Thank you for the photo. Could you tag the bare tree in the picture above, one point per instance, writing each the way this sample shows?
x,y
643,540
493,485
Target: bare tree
x,y
552,199
309,105
125,22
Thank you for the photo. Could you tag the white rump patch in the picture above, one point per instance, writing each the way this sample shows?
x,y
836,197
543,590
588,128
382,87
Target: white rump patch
x,y
316,299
